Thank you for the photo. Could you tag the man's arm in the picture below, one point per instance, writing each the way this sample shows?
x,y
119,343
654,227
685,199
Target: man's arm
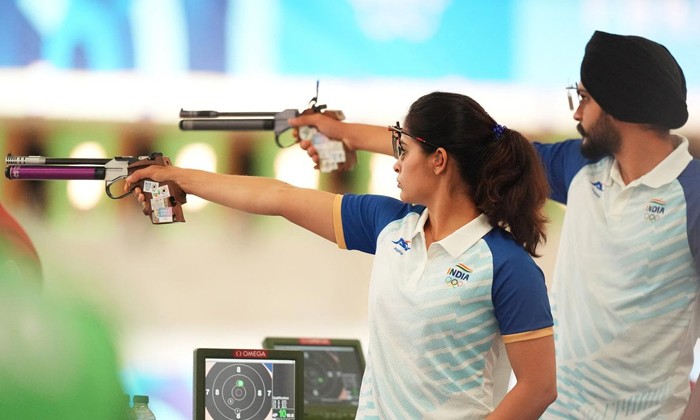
x,y
310,209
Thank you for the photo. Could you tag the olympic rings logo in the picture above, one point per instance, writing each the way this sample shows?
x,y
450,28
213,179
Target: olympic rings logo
x,y
453,282
652,217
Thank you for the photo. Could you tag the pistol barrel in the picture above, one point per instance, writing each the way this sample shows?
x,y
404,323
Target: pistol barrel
x,y
216,114
257,124
40,173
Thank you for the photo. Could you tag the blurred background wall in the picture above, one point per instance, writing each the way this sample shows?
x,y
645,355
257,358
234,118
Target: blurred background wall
x,y
99,78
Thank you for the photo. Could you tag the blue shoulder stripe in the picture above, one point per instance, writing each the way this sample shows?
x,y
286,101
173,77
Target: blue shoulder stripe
x,y
364,217
562,161
690,182
519,293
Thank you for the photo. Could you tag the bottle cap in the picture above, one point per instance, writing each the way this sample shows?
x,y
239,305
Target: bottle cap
x,y
141,398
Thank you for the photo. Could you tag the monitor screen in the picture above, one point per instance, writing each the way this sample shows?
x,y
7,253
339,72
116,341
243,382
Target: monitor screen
x,y
332,369
247,384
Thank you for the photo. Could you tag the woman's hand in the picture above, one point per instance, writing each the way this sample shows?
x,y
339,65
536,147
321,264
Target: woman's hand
x,y
331,128
153,172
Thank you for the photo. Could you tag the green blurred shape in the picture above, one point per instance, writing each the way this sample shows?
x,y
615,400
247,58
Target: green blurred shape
x,y
57,360
19,262
359,183
264,154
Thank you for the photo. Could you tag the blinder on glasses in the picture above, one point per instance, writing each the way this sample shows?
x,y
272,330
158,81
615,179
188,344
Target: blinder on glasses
x,y
574,101
396,133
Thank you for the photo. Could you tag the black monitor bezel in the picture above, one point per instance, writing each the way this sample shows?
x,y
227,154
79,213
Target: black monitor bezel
x,y
200,355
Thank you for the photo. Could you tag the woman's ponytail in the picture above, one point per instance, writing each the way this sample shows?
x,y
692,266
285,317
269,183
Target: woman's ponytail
x,y
499,166
513,188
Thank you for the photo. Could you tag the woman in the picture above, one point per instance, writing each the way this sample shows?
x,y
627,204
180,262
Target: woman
x,y
449,283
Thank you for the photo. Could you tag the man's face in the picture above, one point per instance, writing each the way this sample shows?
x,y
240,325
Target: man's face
x,y
600,137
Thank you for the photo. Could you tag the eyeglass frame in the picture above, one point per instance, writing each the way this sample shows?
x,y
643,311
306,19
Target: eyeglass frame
x,y
397,132
575,87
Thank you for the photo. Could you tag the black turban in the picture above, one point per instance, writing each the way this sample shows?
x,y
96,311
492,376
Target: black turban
x,y
635,80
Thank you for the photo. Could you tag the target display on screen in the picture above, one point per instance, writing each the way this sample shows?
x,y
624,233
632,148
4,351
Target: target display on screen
x,y
331,375
333,371
247,384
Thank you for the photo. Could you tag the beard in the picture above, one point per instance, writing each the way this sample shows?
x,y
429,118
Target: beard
x,y
600,140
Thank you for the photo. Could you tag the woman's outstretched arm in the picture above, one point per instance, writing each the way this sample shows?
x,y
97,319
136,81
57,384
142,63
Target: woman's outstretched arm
x,y
310,209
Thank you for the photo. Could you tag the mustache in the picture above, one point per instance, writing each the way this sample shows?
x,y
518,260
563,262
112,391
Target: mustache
x,y
580,129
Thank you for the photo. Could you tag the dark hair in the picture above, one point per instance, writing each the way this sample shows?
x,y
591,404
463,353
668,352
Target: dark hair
x,y
504,173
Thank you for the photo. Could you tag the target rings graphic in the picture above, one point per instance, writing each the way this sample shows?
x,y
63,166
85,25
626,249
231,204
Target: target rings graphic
x,y
323,376
239,391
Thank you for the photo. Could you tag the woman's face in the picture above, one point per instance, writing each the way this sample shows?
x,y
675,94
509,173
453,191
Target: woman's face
x,y
415,169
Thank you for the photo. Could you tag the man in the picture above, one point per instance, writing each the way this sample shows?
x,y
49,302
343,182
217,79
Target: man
x,y
626,280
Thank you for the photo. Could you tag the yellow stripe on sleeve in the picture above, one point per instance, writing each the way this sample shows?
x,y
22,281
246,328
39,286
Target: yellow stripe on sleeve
x,y
338,222
528,335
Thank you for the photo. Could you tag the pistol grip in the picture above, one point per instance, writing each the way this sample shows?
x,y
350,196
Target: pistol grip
x,y
168,194
170,210
343,159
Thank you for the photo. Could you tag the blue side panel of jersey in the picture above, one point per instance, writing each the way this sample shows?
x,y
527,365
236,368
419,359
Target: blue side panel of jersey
x,y
364,217
562,161
519,293
690,181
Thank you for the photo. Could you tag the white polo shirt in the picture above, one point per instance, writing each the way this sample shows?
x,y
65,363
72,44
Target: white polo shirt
x,y
438,317
624,293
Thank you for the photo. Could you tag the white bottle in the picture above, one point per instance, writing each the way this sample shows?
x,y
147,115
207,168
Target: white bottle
x,y
140,410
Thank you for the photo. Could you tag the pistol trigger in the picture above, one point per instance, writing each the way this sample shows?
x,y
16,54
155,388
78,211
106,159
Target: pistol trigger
x,y
108,184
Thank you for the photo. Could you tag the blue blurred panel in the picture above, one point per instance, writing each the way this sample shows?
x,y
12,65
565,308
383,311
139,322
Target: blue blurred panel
x,y
205,26
159,36
473,39
94,34
20,43
551,36
523,41
548,41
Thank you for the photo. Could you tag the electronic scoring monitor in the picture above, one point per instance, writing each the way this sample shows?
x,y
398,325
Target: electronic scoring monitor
x,y
333,370
231,384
